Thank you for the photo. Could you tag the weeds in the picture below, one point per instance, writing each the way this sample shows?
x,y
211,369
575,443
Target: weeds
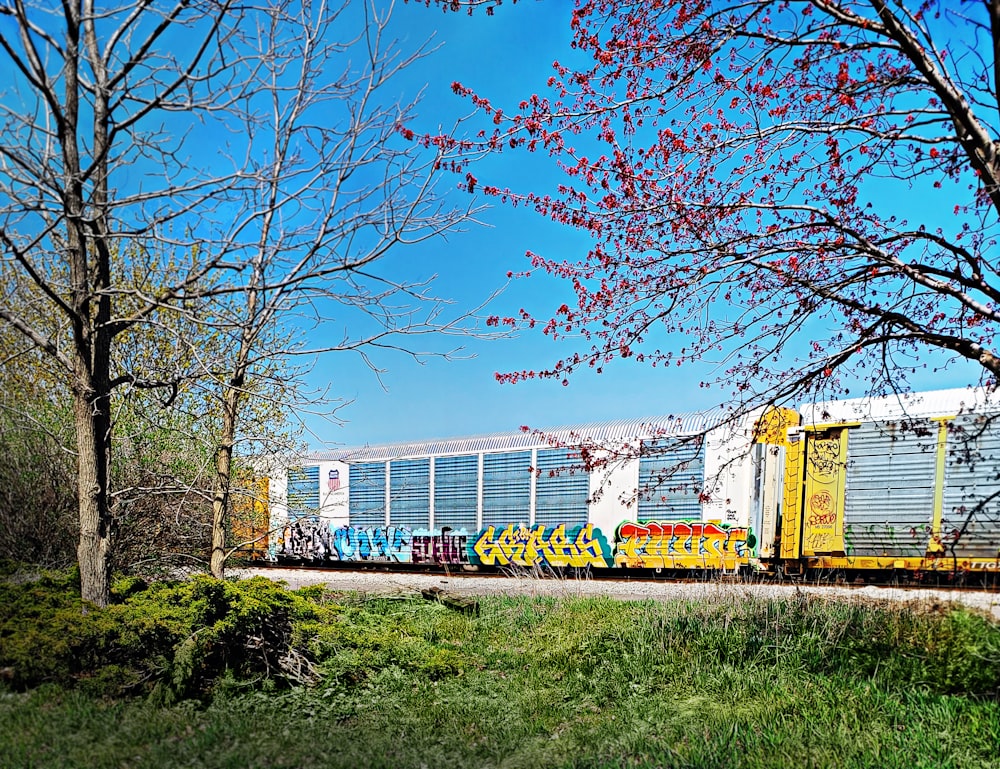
x,y
528,682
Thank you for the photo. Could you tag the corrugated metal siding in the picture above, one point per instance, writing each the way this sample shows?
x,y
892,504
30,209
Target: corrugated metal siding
x,y
889,488
456,484
617,431
562,486
506,488
959,400
671,478
410,493
972,487
367,494
303,491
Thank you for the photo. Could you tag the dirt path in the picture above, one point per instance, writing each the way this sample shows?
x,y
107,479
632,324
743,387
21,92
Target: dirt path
x,y
394,583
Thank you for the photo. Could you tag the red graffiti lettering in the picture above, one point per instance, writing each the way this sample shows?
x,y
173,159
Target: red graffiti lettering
x,y
821,502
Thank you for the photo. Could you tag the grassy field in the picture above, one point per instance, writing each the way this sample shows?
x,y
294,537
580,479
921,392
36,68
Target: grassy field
x,y
348,682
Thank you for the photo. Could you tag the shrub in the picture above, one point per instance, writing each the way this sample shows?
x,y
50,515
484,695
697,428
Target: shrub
x,y
178,638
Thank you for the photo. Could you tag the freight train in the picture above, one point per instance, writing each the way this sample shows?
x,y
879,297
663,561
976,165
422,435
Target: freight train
x,y
902,484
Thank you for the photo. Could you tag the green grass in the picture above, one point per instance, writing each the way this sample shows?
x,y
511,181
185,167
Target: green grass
x,y
732,682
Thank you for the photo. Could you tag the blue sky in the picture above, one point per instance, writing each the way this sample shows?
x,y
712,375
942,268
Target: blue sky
x,y
505,57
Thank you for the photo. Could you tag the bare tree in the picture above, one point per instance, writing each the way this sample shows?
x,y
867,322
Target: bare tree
x,y
159,467
216,164
86,104
329,188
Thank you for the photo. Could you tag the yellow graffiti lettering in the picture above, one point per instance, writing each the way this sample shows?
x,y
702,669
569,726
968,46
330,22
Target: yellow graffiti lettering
x,y
558,548
490,551
527,547
680,545
588,551
511,542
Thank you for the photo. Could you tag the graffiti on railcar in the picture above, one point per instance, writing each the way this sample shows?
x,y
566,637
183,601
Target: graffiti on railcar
x,y
249,519
450,546
373,543
884,539
681,545
825,456
318,540
306,540
826,463
542,546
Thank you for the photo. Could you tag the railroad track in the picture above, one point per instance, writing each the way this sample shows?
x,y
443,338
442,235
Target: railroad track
x,y
396,582
972,582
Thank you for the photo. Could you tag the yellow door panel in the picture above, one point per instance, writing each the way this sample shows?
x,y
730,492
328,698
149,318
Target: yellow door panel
x,y
823,504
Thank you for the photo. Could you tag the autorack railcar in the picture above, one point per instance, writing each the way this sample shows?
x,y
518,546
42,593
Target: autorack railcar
x,y
910,482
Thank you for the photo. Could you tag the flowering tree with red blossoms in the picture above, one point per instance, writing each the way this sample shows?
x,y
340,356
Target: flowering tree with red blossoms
x,y
752,175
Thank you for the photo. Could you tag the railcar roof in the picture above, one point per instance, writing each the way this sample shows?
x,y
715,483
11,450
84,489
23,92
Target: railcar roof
x,y
618,431
932,403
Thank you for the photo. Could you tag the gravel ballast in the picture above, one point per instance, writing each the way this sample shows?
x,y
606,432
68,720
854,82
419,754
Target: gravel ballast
x,y
394,583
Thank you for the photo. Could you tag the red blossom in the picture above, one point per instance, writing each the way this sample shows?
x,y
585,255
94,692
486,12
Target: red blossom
x,y
722,165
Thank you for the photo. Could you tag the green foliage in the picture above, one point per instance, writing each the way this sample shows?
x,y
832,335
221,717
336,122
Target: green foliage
x,y
38,517
174,639
402,682
183,638
947,652
361,641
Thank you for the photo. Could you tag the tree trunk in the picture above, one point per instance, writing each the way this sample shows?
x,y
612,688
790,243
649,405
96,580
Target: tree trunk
x,y
223,480
220,507
92,435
